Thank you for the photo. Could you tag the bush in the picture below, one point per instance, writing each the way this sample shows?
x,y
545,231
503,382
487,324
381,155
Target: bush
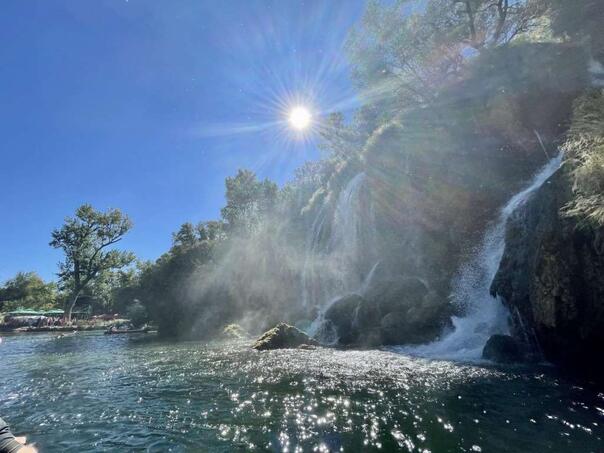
x,y
585,151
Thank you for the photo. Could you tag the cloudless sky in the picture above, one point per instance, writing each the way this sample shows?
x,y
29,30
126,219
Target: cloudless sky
x,y
148,105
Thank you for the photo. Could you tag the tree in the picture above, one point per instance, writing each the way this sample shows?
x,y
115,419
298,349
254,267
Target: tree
x,y
489,23
137,313
213,230
404,50
86,241
27,290
186,236
248,199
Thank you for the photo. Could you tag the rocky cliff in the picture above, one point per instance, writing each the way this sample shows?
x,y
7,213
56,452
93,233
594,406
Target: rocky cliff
x,y
552,272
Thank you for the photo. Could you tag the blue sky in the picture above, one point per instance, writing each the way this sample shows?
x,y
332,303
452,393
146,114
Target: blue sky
x,y
148,105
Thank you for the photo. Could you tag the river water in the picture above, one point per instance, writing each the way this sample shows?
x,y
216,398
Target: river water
x,y
92,392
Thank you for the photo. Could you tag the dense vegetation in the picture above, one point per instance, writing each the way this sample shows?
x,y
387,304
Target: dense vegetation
x,y
28,290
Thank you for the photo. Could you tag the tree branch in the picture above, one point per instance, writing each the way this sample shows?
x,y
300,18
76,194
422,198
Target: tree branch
x,y
502,12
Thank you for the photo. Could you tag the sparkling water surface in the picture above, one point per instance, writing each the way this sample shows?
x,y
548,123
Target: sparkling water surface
x,y
91,392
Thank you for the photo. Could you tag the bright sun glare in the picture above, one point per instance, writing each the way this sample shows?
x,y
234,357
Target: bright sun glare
x,y
299,118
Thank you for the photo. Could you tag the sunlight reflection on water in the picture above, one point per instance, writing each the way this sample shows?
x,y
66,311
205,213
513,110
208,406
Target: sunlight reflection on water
x,y
94,392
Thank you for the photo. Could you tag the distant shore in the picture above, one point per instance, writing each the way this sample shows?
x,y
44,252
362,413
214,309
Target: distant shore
x,y
51,328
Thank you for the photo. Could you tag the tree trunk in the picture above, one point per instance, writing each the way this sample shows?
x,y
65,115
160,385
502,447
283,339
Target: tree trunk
x,y
70,306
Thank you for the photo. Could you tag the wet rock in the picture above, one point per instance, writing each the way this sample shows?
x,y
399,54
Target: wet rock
x,y
396,293
283,336
551,276
397,311
393,328
420,323
307,347
503,349
351,318
234,332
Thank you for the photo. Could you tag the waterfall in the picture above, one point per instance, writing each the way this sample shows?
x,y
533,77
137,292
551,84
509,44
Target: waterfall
x,y
484,314
337,248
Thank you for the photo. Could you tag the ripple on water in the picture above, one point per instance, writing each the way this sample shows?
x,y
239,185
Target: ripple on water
x,y
93,392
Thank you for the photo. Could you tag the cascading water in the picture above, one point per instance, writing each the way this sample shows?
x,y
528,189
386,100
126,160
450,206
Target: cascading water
x,y
485,315
336,265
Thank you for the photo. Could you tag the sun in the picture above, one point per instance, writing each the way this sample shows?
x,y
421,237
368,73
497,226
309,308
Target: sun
x,y
300,118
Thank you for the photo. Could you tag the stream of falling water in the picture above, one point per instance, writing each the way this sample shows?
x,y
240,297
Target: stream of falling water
x,y
334,266
484,314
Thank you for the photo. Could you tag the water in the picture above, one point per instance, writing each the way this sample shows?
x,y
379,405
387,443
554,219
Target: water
x,y
109,393
337,265
484,315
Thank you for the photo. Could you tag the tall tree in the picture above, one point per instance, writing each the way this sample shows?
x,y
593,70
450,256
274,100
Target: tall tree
x,y
87,240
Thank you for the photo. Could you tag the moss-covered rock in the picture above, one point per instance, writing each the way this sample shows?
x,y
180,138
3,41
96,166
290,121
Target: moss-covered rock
x,y
283,336
234,331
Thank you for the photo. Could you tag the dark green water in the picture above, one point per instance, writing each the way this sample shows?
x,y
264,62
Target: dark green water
x,y
96,393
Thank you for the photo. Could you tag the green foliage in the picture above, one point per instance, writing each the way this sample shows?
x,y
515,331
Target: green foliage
x,y
86,240
28,290
189,235
137,314
248,200
164,286
579,20
186,236
405,52
585,150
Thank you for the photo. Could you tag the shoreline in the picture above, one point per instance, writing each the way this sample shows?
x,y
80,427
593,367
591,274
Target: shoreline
x,y
50,329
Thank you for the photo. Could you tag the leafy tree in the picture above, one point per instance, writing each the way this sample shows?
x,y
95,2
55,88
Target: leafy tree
x,y
137,313
338,139
186,236
407,51
28,290
108,293
125,290
213,230
86,240
248,199
488,23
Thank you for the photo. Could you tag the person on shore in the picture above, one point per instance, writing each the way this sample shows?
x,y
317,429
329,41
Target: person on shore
x,y
11,444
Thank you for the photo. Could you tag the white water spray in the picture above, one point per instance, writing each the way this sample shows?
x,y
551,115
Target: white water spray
x,y
485,315
335,265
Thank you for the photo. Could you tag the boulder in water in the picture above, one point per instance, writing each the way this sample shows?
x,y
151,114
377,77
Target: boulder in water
x,y
283,336
234,332
353,320
402,311
395,294
503,349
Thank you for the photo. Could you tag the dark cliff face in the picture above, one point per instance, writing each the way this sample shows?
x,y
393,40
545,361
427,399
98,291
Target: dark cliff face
x,y
552,278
